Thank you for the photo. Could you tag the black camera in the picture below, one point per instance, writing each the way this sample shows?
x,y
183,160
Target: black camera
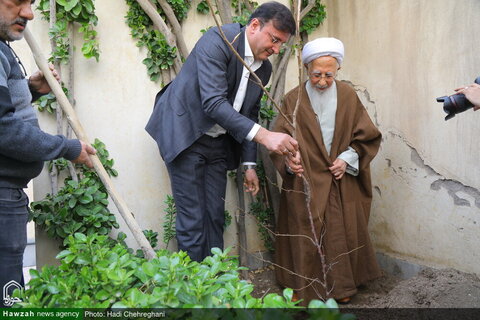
x,y
456,103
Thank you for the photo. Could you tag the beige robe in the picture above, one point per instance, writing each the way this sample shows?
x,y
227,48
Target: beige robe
x,y
340,209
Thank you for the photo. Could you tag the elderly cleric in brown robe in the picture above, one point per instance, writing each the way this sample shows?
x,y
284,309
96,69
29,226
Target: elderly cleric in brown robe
x,y
337,142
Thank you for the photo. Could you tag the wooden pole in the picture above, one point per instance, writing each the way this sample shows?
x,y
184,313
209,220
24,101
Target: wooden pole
x,y
72,118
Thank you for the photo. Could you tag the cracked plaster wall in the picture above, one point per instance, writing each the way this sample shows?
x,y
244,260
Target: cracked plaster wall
x,y
400,56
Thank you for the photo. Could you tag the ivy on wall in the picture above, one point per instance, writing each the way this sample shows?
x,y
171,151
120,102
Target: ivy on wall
x,y
79,11
314,17
160,56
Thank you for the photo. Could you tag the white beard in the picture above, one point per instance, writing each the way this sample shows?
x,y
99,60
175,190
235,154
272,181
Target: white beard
x,y
324,104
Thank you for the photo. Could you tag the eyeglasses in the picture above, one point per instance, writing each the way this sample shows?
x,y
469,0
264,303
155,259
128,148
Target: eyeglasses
x,y
318,75
277,41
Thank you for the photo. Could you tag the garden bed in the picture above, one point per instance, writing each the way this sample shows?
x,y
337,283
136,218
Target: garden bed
x,y
430,288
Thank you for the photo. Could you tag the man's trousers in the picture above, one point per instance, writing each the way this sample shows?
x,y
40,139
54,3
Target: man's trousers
x,y
198,178
13,240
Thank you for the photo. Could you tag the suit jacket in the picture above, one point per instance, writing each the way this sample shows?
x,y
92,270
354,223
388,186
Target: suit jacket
x,y
202,95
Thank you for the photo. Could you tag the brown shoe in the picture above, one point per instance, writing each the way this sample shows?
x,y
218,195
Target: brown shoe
x,y
294,297
344,300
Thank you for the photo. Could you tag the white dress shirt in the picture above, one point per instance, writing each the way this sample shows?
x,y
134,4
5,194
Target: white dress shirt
x,y
217,130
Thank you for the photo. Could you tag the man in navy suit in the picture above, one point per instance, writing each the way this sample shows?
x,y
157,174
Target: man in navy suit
x,y
204,122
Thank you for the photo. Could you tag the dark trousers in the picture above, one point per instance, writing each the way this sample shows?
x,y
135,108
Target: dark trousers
x,y
198,178
13,240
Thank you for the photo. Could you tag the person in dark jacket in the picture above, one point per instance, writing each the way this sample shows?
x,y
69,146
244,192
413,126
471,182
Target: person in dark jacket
x,y
23,146
204,122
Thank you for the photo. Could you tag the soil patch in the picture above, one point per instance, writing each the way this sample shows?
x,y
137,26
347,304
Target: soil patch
x,y
430,288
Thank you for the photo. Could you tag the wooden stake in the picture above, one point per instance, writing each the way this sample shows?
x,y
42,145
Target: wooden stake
x,y
80,132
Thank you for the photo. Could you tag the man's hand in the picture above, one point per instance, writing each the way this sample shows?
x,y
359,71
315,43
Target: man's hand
x,y
277,142
472,93
84,157
294,163
338,168
251,182
38,83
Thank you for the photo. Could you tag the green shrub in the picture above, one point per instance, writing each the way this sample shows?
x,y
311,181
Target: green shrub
x,y
98,272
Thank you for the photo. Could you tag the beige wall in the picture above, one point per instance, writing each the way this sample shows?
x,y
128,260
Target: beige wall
x,y
401,55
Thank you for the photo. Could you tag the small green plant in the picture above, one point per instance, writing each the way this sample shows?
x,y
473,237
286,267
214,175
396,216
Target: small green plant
x,y
260,209
79,206
267,112
169,220
264,215
152,237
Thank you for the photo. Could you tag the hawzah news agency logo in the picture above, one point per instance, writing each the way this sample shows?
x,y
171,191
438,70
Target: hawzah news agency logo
x,y
10,286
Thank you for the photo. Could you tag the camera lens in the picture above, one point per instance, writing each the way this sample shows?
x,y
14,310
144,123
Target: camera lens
x,y
456,103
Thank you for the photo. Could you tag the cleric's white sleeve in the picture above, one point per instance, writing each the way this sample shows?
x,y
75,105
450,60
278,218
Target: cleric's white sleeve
x,y
350,156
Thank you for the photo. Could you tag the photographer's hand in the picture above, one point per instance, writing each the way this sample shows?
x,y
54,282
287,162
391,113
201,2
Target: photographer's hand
x,y
472,93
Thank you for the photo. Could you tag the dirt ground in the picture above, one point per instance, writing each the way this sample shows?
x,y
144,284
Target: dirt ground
x,y
430,288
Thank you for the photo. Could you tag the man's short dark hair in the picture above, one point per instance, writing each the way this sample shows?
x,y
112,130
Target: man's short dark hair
x,y
280,15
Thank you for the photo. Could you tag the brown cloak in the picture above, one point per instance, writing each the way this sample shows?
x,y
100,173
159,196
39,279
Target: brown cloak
x,y
340,209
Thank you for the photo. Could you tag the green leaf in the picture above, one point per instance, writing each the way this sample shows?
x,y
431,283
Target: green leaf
x,y
149,269
80,237
63,254
70,4
72,183
69,259
91,190
77,9
34,273
52,289
216,251
83,259
331,303
288,294
102,295
86,198
72,202
316,304
135,296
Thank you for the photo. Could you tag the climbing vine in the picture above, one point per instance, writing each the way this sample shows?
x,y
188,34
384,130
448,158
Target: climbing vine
x,y
314,17
79,11
160,56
